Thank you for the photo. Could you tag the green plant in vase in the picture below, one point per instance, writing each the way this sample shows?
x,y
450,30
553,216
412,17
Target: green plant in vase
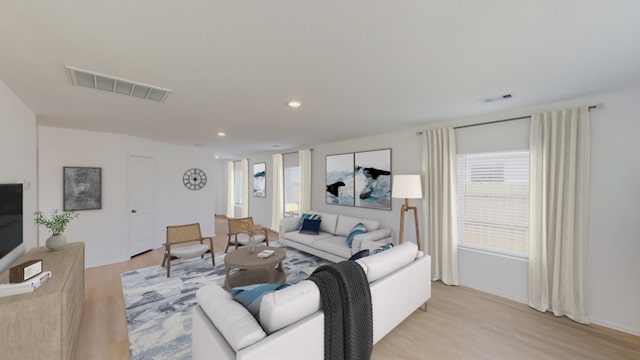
x,y
56,224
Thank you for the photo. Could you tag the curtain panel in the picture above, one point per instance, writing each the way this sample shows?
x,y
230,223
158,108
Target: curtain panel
x,y
278,192
244,167
231,209
559,207
439,203
305,180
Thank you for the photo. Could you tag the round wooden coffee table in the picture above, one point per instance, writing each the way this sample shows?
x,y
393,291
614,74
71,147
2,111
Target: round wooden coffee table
x,y
252,269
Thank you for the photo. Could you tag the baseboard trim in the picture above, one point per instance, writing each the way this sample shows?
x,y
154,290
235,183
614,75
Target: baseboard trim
x,y
497,293
610,325
138,254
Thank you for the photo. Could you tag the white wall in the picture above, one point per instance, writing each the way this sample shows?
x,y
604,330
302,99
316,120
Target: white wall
x,y
18,161
613,288
105,231
220,179
613,292
613,284
405,159
260,208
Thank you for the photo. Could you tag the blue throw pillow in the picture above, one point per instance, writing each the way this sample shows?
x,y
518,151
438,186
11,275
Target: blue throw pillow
x,y
305,216
359,254
359,228
251,295
383,248
311,227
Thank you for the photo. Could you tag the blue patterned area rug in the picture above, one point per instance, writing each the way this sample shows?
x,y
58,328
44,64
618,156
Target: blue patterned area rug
x,y
158,308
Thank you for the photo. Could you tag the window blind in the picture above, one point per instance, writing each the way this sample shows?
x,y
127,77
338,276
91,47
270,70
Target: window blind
x,y
493,201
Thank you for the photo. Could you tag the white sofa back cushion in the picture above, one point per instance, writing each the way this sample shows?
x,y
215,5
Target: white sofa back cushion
x,y
282,308
379,265
327,222
371,240
346,224
232,320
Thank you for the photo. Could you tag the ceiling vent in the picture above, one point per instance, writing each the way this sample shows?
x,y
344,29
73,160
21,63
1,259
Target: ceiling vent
x,y
94,80
496,98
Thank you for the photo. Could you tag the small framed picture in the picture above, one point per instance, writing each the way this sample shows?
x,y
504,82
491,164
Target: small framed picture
x,y
260,179
82,188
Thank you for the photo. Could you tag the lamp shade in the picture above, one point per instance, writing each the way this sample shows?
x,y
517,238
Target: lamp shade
x,y
407,187
291,207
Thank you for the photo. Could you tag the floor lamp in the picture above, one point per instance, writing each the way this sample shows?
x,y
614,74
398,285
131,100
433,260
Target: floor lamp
x,y
407,187
291,208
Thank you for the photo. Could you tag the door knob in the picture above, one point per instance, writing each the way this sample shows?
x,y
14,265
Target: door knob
x,y
133,211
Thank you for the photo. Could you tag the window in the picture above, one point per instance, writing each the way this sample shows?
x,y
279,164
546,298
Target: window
x,y
237,183
493,201
292,190
291,179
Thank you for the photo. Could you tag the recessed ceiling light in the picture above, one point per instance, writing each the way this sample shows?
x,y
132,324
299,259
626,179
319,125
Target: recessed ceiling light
x,y
276,146
294,104
222,133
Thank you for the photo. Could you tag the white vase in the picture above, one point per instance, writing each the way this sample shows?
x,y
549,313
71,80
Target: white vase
x,y
252,244
56,242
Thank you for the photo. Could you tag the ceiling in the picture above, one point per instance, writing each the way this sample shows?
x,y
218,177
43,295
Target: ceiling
x,y
359,67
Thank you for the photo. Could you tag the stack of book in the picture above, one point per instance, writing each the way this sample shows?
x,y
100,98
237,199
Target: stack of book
x,y
25,287
265,254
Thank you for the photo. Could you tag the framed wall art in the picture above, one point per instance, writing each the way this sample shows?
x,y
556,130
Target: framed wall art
x,y
372,173
82,188
339,172
260,179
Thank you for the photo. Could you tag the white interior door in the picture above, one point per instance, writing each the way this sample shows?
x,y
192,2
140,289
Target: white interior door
x,y
141,204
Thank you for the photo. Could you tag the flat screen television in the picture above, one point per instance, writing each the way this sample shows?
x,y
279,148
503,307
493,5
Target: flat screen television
x,y
10,218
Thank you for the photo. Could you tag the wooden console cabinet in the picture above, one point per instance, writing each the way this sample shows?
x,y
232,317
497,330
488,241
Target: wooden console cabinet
x,y
45,323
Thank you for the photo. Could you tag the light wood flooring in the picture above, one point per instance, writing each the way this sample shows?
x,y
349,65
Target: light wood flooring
x,y
460,323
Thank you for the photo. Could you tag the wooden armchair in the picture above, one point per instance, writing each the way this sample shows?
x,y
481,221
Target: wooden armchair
x,y
182,234
239,233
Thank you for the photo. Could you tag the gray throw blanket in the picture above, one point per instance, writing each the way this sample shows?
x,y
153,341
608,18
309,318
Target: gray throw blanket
x,y
346,302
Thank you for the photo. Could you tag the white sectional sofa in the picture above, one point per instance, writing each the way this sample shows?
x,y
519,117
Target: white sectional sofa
x,y
331,242
291,321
